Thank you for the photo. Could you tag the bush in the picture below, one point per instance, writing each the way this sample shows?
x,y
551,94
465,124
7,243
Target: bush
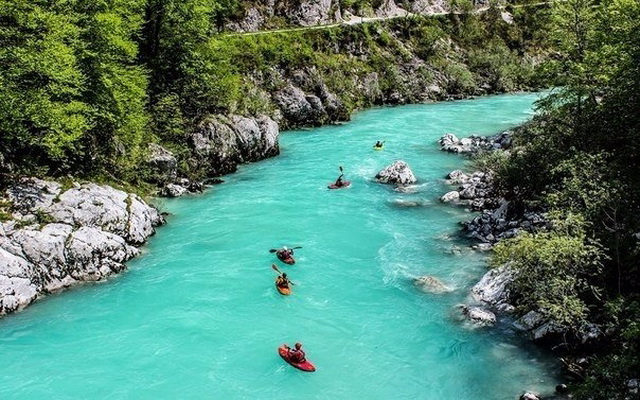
x,y
554,272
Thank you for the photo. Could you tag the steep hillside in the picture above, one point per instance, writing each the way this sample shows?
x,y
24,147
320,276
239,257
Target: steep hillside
x,y
89,90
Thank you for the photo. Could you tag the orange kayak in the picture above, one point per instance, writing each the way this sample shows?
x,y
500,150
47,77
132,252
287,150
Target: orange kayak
x,y
305,366
284,290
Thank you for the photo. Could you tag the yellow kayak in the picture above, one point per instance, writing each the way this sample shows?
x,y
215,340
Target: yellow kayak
x,y
378,147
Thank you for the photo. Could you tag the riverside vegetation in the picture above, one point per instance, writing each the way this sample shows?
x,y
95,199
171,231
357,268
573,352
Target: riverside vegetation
x,y
577,161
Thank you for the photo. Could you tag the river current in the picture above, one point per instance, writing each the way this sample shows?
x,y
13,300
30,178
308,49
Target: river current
x,y
197,315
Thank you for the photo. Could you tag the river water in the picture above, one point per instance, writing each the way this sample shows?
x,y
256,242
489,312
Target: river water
x,y
197,316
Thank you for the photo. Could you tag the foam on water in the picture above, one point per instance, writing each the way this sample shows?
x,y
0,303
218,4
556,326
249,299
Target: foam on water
x,y
197,315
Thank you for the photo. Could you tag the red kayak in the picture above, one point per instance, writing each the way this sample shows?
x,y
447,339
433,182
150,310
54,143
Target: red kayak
x,y
344,185
289,260
305,366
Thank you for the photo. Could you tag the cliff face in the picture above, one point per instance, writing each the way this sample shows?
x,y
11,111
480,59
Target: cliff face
x,y
270,14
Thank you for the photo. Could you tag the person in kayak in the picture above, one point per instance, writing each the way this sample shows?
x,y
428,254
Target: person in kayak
x,y
282,281
378,144
339,181
285,252
297,355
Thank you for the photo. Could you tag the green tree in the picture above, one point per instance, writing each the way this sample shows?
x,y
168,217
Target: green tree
x,y
116,86
555,271
43,114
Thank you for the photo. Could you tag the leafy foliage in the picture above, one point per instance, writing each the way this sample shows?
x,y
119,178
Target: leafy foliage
x,y
555,273
579,160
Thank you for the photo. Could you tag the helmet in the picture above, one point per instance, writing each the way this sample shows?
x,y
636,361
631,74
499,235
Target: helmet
x,y
298,345
285,248
284,274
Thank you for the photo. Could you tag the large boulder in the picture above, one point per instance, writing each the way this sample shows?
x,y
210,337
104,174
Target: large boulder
x,y
478,315
397,173
85,233
451,196
493,288
173,190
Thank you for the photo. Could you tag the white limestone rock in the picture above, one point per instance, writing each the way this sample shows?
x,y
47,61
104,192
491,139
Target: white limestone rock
x,y
449,197
93,232
493,288
398,173
479,316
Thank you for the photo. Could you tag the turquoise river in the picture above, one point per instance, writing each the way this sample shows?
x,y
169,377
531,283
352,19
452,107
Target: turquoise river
x,y
197,315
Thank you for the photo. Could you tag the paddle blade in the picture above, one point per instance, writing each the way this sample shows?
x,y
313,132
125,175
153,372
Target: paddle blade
x,y
275,268
341,169
272,250
297,247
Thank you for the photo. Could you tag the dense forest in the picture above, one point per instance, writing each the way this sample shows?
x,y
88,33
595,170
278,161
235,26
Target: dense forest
x,y
578,160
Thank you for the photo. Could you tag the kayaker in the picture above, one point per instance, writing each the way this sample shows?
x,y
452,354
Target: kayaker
x,y
339,181
378,144
297,355
282,281
285,252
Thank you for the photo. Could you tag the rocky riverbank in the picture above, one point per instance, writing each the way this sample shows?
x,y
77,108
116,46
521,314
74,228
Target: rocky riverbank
x,y
59,237
498,219
491,299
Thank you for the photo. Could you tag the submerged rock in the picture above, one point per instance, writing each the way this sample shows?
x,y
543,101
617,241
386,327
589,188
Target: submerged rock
x,y
85,233
529,396
430,284
398,173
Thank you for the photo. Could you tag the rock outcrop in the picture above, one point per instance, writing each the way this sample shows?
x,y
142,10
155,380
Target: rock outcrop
x,y
61,237
313,12
163,164
493,288
474,143
221,143
307,101
397,173
475,190
493,225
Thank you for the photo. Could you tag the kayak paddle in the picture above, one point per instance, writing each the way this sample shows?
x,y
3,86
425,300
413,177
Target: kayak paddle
x,y
274,250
